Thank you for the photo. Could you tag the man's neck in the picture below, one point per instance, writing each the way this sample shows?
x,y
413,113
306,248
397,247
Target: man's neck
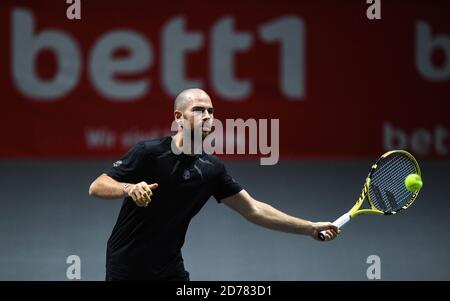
x,y
178,138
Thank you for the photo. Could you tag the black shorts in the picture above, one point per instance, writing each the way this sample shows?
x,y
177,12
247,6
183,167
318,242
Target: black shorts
x,y
174,272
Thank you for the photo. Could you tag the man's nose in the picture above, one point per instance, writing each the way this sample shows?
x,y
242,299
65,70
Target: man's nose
x,y
206,115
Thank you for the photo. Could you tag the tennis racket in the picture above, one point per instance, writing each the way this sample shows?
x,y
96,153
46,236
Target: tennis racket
x,y
385,188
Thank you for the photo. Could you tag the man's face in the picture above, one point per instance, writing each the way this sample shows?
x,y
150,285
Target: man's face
x,y
199,113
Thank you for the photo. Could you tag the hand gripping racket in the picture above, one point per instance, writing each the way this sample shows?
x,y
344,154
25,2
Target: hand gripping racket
x,y
385,188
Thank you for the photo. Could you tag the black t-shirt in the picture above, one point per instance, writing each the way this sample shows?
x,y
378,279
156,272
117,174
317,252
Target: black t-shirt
x,y
145,240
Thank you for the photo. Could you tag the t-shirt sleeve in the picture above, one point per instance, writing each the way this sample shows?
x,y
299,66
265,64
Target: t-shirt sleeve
x,y
130,167
225,185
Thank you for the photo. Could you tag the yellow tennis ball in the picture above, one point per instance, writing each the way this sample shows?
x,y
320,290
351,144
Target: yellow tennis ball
x,y
413,182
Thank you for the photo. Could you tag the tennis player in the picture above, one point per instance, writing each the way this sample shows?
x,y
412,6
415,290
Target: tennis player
x,y
163,190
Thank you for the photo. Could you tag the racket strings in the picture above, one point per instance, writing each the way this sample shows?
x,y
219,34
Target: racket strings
x,y
387,190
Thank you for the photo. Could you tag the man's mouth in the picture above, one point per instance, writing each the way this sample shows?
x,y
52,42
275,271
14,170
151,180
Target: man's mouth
x,y
206,127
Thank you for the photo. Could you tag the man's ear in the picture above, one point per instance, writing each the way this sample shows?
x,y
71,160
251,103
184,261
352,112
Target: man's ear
x,y
178,118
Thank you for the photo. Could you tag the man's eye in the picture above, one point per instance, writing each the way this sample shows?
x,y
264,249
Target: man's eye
x,y
201,110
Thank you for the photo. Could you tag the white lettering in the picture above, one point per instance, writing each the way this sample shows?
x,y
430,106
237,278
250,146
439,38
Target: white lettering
x,y
104,67
426,44
26,46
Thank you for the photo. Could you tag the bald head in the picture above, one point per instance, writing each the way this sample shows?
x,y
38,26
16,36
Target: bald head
x,y
187,96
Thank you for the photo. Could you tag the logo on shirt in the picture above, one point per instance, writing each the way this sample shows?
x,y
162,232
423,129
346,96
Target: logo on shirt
x,y
117,163
186,175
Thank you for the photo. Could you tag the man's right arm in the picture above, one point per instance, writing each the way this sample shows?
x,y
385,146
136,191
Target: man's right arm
x,y
106,187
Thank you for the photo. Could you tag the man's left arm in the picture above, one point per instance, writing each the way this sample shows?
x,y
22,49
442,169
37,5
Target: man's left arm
x,y
264,215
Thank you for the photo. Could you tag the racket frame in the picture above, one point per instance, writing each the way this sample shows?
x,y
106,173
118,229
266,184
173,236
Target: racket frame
x,y
355,211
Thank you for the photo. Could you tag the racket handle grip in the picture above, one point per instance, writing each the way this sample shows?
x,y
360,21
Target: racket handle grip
x,y
338,223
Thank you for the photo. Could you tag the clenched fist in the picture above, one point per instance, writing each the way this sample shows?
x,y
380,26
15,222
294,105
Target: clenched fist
x,y
331,231
141,193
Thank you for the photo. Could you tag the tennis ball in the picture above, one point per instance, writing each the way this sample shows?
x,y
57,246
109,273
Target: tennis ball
x,y
413,182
